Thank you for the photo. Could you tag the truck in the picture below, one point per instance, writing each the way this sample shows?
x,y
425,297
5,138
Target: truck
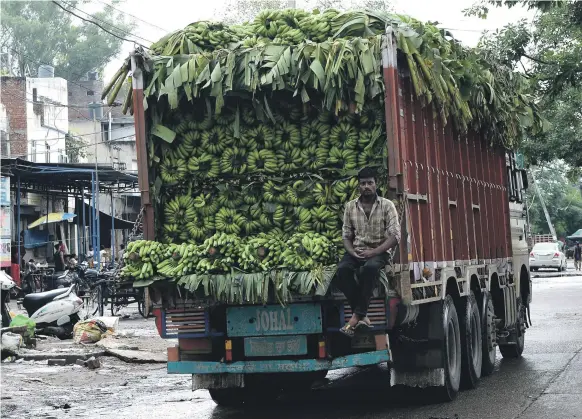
x,y
460,285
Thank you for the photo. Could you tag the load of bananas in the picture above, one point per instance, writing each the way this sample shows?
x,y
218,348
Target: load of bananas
x,y
306,251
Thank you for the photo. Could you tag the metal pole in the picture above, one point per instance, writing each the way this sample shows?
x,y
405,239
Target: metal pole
x,y
94,236
112,229
78,219
18,216
84,222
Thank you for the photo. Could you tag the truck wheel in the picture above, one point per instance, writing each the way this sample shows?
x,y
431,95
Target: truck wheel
x,y
472,346
451,352
489,335
515,348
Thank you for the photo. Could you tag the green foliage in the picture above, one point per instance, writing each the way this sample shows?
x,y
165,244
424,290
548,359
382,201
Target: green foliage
x,y
549,53
563,200
37,32
75,148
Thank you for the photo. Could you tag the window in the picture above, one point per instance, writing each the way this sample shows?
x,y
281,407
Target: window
x,y
90,93
47,153
34,94
134,165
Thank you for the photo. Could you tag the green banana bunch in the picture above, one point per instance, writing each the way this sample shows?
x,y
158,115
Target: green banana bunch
x,y
372,115
197,230
229,221
273,215
179,260
234,160
345,190
289,160
263,136
206,205
323,219
288,136
323,194
314,157
218,253
299,194
370,138
229,196
262,161
215,140
305,251
315,133
205,165
344,136
180,209
262,252
265,23
172,171
369,158
274,192
173,233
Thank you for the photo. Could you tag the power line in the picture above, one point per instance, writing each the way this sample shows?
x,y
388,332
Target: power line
x,y
135,17
97,24
60,105
122,31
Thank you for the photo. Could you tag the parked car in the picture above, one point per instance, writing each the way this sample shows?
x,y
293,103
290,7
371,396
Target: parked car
x,y
547,255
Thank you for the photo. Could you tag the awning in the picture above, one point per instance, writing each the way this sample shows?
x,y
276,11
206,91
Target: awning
x,y
104,219
576,236
53,217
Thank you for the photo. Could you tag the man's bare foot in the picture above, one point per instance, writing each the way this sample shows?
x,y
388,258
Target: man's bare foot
x,y
354,320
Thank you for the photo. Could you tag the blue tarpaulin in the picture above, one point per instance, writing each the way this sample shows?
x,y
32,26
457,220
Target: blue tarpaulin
x,y
35,238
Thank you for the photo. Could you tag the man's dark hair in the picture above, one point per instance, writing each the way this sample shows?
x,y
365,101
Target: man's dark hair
x,y
57,246
122,246
367,173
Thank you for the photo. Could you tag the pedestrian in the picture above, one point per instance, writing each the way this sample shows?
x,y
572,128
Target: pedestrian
x,y
89,256
370,231
578,257
59,257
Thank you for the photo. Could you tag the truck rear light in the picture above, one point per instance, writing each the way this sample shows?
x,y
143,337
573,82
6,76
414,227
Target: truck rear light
x,y
228,350
322,350
196,346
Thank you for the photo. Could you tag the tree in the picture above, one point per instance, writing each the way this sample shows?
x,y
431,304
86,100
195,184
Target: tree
x,y
549,53
40,32
562,197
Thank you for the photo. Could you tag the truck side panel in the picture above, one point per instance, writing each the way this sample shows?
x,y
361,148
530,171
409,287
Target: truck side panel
x,y
456,207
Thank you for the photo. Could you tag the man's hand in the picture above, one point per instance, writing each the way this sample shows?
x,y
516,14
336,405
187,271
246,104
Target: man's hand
x,y
366,254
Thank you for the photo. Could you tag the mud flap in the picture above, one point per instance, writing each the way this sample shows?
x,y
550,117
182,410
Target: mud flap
x,y
434,377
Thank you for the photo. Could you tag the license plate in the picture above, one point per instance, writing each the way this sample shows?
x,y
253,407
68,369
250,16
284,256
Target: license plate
x,y
364,341
273,320
276,346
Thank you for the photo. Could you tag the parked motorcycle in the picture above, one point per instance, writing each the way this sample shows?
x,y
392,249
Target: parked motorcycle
x,y
55,312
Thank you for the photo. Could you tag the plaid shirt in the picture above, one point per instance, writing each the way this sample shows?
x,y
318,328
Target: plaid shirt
x,y
369,233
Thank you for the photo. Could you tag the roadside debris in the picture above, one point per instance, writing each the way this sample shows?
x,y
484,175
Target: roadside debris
x,y
91,363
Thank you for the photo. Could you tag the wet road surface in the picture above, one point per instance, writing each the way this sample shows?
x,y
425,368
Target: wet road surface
x,y
545,383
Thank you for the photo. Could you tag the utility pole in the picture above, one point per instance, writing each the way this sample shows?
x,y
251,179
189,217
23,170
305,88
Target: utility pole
x,y
548,220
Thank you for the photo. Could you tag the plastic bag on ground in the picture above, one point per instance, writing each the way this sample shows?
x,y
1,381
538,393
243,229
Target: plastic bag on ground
x,y
89,331
110,322
11,342
22,320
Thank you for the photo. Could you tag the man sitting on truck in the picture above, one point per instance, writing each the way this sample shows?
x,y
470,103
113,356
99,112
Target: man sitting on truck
x,y
371,230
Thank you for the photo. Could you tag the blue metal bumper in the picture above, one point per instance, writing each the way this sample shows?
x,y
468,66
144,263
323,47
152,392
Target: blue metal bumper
x,y
277,366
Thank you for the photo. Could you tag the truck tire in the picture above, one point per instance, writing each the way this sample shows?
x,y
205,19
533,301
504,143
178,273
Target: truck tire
x,y
489,335
471,344
451,352
515,348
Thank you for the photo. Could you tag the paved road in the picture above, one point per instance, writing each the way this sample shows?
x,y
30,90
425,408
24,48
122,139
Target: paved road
x,y
545,383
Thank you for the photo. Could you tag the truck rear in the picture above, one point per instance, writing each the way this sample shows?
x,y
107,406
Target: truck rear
x,y
458,284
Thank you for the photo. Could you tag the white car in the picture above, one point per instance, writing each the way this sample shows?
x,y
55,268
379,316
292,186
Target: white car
x,y
547,255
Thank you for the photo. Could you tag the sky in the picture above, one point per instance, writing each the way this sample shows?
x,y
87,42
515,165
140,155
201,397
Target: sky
x,y
170,15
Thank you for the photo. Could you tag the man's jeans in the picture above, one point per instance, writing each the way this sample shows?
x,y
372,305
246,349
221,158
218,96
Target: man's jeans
x,y
368,271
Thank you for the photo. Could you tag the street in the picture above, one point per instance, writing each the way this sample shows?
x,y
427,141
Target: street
x,y
545,383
